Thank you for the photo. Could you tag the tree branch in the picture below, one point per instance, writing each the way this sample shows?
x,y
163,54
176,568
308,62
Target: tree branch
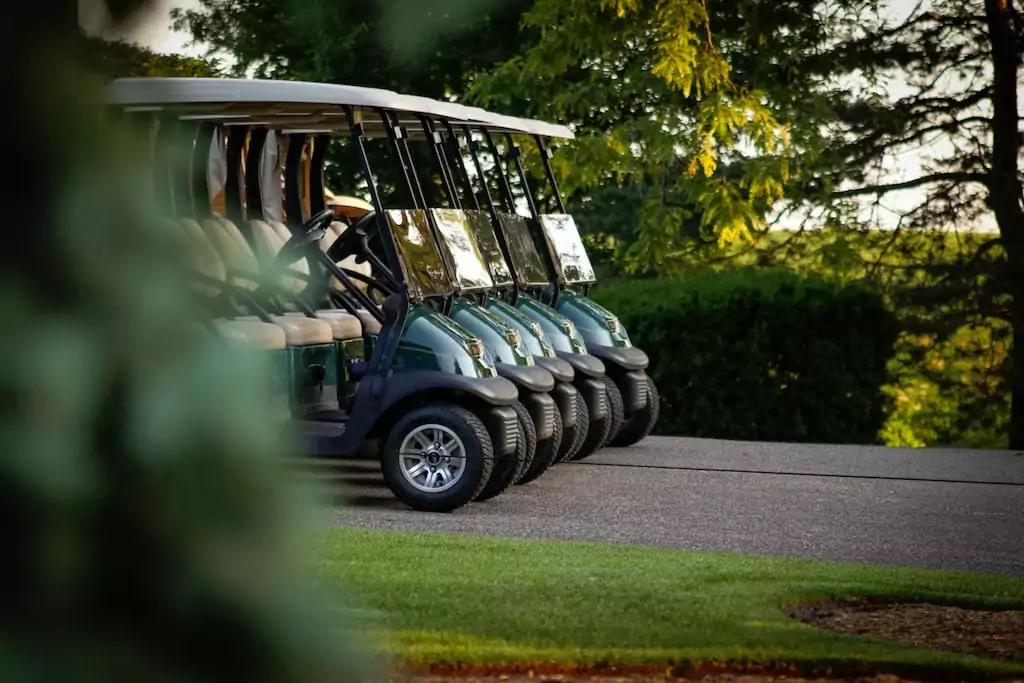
x,y
955,177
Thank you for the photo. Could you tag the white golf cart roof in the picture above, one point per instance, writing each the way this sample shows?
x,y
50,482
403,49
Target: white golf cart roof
x,y
301,106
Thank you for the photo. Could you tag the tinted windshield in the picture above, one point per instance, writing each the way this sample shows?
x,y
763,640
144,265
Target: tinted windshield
x,y
566,245
457,239
487,241
525,257
421,260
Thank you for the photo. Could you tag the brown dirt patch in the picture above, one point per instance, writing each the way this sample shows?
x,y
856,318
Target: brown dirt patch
x,y
650,679
996,634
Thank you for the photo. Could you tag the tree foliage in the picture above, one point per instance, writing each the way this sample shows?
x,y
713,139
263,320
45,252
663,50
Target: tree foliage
x,y
120,59
149,533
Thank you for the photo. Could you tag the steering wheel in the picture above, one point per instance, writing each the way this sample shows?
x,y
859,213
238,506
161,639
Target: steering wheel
x,y
352,240
311,231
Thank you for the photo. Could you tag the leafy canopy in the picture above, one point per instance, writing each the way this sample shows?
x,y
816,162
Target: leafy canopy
x,y
647,88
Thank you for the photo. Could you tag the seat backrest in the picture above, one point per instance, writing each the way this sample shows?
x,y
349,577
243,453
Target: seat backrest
x,y
205,258
233,249
269,243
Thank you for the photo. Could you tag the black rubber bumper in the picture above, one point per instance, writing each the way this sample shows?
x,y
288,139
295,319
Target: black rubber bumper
x,y
565,396
593,393
627,358
543,410
559,368
584,364
529,377
633,387
502,424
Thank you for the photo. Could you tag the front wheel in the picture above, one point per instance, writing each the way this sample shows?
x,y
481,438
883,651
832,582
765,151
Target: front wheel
x,y
639,425
616,410
437,458
509,469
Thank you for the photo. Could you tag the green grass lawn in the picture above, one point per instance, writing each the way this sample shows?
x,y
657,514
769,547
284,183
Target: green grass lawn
x,y
455,599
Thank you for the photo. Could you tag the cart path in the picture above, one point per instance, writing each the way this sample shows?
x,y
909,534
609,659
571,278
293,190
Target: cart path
x,y
950,509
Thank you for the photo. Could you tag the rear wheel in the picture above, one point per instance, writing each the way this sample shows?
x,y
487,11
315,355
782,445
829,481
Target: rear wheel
x,y
437,458
547,451
640,424
508,469
615,410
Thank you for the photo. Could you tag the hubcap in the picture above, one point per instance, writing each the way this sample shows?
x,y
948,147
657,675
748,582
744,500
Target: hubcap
x,y
432,458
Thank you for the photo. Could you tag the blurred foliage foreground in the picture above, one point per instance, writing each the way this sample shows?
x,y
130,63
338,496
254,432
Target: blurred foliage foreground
x,y
148,535
834,336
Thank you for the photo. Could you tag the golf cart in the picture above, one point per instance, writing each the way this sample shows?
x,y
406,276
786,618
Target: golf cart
x,y
476,307
568,276
429,389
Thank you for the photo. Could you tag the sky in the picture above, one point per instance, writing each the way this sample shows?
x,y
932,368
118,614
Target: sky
x,y
151,29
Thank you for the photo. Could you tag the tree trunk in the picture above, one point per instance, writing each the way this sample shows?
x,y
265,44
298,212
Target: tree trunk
x,y
1005,190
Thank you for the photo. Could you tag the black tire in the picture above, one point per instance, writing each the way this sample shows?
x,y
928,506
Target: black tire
x,y
597,434
508,469
544,457
528,436
640,424
478,463
579,432
616,410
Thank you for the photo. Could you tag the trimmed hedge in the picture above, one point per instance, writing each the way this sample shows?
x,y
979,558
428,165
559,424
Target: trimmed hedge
x,y
761,354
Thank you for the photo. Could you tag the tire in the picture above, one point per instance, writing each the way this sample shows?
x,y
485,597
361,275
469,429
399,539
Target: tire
x,y
640,424
528,434
579,433
430,425
597,434
616,410
510,468
547,451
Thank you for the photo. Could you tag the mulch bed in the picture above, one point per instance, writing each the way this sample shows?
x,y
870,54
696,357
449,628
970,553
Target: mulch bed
x,y
995,634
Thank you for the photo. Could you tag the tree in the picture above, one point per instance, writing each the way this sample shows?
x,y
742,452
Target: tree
x,y
121,59
427,48
942,82
690,99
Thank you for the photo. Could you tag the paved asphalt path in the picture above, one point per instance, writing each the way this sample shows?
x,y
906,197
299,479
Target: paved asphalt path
x,y
934,508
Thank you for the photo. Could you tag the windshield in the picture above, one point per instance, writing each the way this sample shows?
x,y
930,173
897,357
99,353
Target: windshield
x,y
566,245
525,257
421,261
457,239
487,241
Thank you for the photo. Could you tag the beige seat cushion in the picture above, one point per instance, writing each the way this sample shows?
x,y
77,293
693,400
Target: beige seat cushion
x,y
233,249
269,243
345,326
300,330
370,324
205,258
253,334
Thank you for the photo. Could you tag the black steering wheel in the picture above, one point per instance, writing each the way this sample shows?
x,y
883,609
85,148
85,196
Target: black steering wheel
x,y
355,240
311,231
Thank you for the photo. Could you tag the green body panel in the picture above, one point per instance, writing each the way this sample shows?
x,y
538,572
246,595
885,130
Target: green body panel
x,y
560,330
354,349
431,341
280,385
306,393
596,324
534,337
503,340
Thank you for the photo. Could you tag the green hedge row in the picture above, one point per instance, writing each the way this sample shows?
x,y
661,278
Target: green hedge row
x,y
761,355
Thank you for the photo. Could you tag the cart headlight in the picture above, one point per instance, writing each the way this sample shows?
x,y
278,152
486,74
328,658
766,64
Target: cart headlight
x,y
537,329
613,324
513,338
476,349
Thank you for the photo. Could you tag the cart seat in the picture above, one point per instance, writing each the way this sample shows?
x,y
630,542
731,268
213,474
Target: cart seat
x,y
252,334
269,240
344,325
298,329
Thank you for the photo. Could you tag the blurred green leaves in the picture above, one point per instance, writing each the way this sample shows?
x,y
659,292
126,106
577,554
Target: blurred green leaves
x,y
150,533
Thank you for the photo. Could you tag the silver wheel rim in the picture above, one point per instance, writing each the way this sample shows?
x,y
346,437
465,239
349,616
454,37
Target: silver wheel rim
x,y
432,458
